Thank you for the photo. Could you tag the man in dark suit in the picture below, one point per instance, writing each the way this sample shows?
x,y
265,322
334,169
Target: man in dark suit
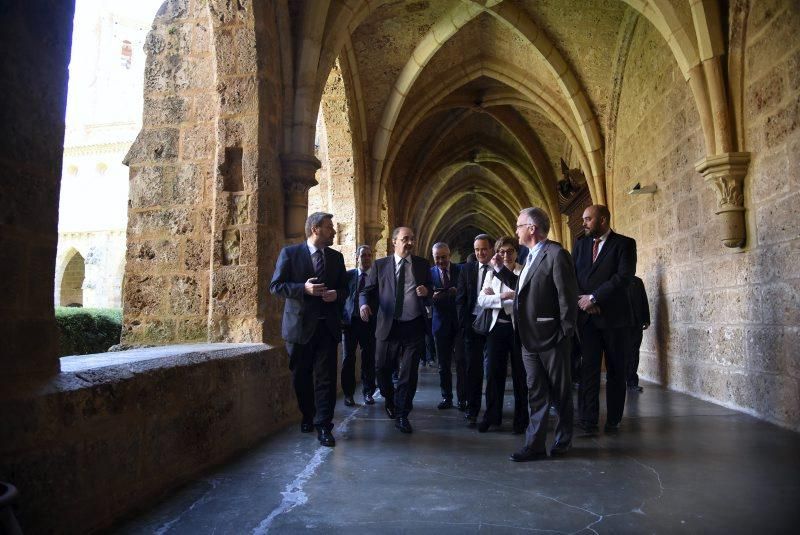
x,y
470,282
311,277
641,321
545,317
445,321
358,333
605,263
401,283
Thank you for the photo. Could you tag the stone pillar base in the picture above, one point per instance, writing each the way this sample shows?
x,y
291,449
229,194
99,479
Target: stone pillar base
x,y
298,177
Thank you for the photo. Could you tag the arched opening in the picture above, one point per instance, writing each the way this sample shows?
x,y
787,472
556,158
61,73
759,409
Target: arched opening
x,y
71,289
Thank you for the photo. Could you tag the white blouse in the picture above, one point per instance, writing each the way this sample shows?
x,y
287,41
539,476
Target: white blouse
x,y
493,301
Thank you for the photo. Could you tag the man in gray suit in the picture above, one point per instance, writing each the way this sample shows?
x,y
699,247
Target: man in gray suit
x,y
545,316
402,284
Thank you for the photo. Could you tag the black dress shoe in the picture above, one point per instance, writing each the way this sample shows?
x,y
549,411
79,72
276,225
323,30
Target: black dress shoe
x,y
326,438
635,388
483,426
525,455
369,400
389,411
462,406
306,427
403,425
560,449
445,404
611,427
472,421
349,401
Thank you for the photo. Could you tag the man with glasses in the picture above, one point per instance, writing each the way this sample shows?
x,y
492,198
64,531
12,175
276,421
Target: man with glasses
x,y
401,283
357,333
445,322
311,277
545,315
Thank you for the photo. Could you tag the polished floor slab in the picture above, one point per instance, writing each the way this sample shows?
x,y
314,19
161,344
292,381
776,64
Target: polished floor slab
x,y
678,465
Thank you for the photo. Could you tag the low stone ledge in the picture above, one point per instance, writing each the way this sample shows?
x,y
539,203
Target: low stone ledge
x,y
117,430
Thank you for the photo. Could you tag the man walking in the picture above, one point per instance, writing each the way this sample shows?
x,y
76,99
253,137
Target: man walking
x,y
401,283
356,332
311,277
445,320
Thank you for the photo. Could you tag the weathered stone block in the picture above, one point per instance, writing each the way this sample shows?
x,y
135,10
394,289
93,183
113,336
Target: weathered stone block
x,y
192,329
198,142
226,12
782,303
234,291
782,123
143,294
775,220
173,221
151,254
145,331
189,182
153,145
766,93
237,96
196,254
246,55
147,185
172,11
169,110
185,296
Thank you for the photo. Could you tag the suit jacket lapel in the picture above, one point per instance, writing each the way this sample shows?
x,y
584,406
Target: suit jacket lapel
x,y
603,252
437,283
306,256
535,266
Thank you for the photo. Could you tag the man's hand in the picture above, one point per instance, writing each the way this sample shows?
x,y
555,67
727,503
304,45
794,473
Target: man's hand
x,y
422,291
488,291
585,302
438,295
365,312
507,295
329,296
314,288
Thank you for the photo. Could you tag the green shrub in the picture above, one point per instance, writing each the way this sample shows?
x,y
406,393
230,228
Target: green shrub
x,y
88,330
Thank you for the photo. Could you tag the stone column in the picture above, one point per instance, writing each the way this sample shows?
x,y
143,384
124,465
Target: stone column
x,y
298,177
725,173
372,233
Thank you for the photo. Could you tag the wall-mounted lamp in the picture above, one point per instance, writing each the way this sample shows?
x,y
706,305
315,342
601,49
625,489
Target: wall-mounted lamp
x,y
638,189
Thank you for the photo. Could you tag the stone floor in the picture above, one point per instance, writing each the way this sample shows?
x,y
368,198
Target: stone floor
x,y
679,465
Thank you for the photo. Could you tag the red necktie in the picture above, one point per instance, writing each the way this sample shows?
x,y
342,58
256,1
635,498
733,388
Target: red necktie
x,y
446,278
362,280
595,249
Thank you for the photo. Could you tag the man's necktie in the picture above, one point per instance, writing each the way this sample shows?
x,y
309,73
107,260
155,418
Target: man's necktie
x,y
319,265
445,279
595,249
400,288
362,281
484,269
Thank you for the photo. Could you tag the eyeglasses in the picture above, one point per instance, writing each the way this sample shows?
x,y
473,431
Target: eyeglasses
x,y
525,225
506,251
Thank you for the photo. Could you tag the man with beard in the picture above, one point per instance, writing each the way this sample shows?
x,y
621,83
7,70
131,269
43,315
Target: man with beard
x,y
311,277
605,263
401,283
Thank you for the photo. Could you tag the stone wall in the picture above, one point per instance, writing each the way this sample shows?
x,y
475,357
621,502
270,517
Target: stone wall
x,y
93,445
725,322
205,221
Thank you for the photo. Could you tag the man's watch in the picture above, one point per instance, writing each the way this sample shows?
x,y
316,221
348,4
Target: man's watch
x,y
592,299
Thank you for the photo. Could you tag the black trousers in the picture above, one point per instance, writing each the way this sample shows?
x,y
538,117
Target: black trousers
x,y
354,335
313,367
402,350
632,362
459,356
445,348
501,343
614,343
474,352
549,383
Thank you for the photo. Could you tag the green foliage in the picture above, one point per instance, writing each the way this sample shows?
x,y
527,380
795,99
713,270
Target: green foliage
x,y
88,330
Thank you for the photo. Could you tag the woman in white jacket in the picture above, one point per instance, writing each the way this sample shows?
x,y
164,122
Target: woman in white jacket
x,y
501,343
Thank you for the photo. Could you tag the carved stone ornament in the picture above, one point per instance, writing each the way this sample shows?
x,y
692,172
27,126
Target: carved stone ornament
x,y
298,172
372,233
725,174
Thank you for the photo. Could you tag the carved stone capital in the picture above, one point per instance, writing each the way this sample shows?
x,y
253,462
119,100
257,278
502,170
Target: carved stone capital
x,y
372,233
725,174
298,172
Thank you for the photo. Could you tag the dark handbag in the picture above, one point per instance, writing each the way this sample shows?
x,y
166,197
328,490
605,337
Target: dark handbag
x,y
483,321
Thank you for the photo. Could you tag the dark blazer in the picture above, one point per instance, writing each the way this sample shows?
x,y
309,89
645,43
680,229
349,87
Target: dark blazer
x,y
444,319
351,300
381,286
467,295
607,279
546,301
639,304
301,311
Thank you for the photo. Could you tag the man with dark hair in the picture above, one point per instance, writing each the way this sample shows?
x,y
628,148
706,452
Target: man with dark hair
x,y
605,263
401,284
470,283
311,277
445,321
545,313
356,332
